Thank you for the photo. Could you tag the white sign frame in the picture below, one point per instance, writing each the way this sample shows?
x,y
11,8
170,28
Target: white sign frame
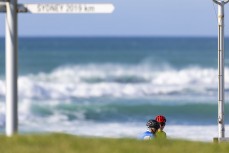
x,y
67,8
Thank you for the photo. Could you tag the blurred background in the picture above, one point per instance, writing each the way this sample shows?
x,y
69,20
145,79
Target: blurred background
x,y
107,74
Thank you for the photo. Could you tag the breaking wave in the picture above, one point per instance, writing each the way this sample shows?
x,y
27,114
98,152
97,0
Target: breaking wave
x,y
85,81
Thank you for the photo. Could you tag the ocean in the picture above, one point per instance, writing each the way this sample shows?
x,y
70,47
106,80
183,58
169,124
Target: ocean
x,y
110,87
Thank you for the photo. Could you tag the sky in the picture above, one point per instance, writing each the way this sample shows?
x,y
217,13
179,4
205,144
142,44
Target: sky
x,y
130,18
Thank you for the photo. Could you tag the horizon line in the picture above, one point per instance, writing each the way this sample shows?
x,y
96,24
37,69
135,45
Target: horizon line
x,y
114,36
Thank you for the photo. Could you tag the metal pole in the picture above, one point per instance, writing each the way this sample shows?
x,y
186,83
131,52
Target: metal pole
x,y
221,127
11,68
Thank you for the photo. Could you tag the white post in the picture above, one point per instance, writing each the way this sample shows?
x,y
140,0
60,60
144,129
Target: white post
x,y
221,70
221,126
11,67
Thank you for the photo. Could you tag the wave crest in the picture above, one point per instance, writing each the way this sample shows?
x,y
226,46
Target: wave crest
x,y
83,81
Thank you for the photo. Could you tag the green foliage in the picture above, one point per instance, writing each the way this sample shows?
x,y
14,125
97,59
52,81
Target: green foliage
x,y
62,143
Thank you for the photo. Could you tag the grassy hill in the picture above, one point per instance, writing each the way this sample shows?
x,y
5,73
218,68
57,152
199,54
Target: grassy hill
x,y
62,143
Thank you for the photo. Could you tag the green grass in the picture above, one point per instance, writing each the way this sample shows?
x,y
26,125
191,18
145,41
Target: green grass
x,y
62,143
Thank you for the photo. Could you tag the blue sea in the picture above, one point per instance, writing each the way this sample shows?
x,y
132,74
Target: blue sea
x,y
110,86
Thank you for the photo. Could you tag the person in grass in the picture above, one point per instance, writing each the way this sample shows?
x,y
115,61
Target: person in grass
x,y
161,120
153,126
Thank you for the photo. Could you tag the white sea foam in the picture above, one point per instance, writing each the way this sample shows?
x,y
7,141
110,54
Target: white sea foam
x,y
58,121
129,130
83,81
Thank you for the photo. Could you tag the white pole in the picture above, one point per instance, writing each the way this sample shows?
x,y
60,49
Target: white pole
x,y
11,68
221,70
221,126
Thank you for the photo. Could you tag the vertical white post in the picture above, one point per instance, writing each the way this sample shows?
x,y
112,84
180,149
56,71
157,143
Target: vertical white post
x,y
221,70
11,67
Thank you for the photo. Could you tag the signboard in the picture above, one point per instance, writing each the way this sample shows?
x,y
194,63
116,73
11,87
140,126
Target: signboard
x,y
66,8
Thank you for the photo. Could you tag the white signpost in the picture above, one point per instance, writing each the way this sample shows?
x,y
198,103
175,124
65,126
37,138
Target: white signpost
x,y
12,8
221,127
